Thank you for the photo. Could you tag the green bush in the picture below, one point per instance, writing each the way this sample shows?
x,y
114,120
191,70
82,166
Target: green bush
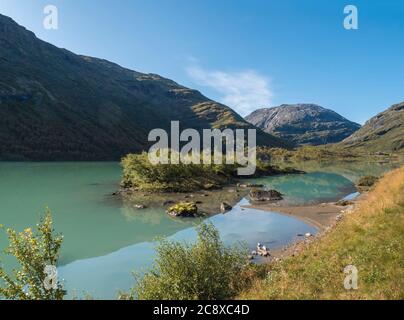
x,y
189,209
205,270
33,251
140,174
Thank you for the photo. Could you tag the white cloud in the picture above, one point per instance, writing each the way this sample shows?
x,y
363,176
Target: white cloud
x,y
244,91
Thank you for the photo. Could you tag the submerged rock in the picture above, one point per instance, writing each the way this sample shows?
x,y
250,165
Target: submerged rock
x,y
210,186
183,209
224,207
265,195
249,185
139,206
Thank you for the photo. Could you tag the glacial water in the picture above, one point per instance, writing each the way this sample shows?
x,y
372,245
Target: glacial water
x,y
105,239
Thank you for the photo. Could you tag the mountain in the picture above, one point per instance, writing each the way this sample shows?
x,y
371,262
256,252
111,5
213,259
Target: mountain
x,y
56,105
303,123
382,133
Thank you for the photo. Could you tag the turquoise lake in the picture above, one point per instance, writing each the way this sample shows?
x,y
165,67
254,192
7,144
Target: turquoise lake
x,y
105,240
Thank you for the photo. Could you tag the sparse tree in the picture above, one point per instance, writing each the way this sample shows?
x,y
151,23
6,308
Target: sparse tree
x,y
37,253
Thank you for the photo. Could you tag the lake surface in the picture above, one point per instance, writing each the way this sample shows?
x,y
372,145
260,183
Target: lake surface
x,y
105,239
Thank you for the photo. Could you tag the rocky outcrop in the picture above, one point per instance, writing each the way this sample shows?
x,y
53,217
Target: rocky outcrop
x,y
265,195
224,207
303,123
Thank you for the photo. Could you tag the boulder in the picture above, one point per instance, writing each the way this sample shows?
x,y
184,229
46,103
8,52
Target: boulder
x,y
183,209
224,207
344,203
265,195
249,185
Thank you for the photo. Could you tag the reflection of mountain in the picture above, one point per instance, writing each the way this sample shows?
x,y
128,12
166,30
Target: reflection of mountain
x,y
78,195
109,234
102,276
311,187
350,170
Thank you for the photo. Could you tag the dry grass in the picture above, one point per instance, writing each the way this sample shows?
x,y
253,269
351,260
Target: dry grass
x,y
370,238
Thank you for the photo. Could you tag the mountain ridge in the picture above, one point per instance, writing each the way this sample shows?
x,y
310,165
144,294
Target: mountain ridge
x,y
56,105
303,123
381,133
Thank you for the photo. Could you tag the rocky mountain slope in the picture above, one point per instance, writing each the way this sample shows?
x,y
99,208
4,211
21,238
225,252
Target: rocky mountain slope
x,y
382,133
303,123
56,105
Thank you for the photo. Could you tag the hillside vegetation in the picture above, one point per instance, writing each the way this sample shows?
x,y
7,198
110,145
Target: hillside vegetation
x,y
371,238
382,133
56,105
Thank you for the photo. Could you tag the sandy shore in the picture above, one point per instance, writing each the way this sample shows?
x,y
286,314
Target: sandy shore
x,y
322,216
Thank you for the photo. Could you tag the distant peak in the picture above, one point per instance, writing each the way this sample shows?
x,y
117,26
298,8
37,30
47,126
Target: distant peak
x,y
303,123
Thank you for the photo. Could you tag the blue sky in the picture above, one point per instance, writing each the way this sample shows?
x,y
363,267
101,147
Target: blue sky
x,y
247,54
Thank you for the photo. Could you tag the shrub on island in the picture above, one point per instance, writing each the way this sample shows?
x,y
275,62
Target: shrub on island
x,y
140,174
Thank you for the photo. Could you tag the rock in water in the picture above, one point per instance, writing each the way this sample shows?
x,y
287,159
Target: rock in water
x,y
183,209
224,207
265,195
139,206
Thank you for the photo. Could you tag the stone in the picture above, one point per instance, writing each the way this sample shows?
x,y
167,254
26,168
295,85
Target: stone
x,y
224,207
139,206
265,195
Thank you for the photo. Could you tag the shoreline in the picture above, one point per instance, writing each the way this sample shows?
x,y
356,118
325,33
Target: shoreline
x,y
324,217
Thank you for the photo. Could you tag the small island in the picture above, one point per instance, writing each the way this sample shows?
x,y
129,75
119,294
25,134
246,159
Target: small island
x,y
169,185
